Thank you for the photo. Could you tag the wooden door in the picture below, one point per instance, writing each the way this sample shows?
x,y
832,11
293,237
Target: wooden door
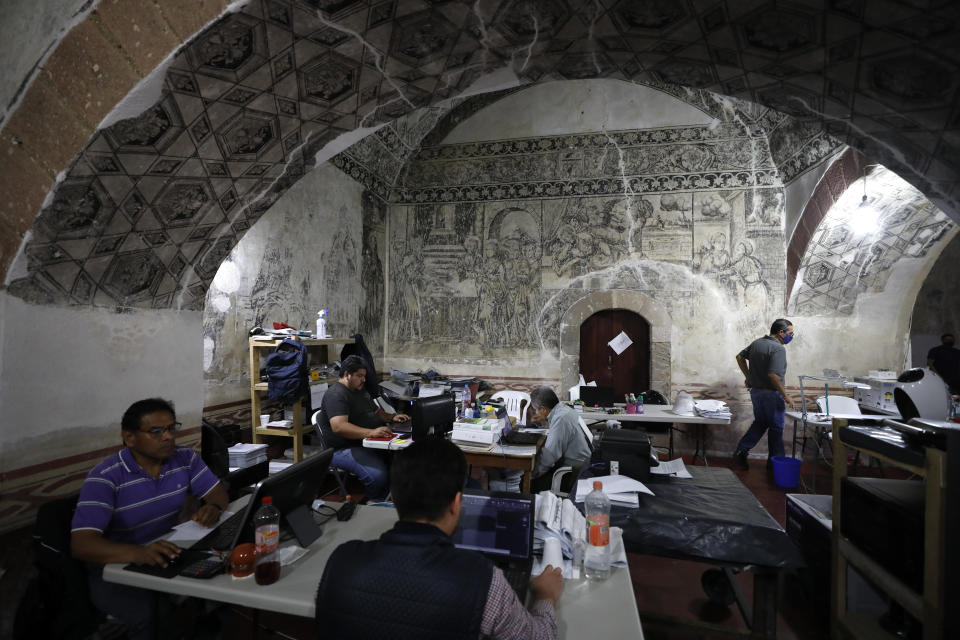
x,y
628,372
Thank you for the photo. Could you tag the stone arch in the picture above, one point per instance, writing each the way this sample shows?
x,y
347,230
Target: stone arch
x,y
100,57
843,172
652,311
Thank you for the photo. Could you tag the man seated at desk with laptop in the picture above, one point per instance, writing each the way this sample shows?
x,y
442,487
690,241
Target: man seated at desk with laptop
x,y
132,498
566,444
348,415
435,589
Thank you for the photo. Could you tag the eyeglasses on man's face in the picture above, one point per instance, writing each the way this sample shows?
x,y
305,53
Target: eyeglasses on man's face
x,y
157,432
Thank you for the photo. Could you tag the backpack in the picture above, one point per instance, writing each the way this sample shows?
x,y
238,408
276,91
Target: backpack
x,y
287,374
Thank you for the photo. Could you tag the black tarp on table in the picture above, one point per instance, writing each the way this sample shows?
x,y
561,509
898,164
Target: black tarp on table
x,y
711,517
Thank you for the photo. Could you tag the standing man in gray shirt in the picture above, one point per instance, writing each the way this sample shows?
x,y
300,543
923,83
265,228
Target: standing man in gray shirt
x,y
764,363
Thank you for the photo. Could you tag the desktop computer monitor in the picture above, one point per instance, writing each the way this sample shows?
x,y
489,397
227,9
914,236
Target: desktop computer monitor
x,y
432,416
293,491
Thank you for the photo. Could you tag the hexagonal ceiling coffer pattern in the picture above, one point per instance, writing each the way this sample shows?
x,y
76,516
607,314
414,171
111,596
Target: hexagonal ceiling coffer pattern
x,y
249,102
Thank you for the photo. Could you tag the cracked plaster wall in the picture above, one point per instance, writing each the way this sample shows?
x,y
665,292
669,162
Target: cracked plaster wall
x,y
319,247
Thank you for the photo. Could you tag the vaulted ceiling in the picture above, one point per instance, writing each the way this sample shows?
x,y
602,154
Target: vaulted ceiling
x,y
150,204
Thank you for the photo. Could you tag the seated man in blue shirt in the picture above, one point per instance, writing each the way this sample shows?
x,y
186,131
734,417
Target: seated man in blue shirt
x,y
421,586
131,499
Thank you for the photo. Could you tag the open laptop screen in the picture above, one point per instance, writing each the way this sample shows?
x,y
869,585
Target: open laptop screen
x,y
498,524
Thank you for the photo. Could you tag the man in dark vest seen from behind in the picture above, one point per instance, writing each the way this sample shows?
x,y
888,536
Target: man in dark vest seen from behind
x,y
413,583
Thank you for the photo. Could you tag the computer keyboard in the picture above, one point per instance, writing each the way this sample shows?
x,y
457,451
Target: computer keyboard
x,y
223,536
195,561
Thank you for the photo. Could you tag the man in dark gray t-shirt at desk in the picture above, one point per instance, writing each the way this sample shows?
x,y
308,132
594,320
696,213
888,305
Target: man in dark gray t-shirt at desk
x,y
764,364
348,415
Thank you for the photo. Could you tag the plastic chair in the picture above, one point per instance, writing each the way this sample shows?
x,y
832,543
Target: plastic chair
x,y
517,403
334,470
564,480
839,404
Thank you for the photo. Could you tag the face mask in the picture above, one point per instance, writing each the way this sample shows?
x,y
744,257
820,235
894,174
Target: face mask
x,y
787,337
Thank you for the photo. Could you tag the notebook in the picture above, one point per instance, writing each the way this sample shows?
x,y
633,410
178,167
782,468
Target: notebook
x,y
500,526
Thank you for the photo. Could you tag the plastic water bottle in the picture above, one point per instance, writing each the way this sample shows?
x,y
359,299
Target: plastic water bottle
x,y
596,557
465,405
266,538
322,323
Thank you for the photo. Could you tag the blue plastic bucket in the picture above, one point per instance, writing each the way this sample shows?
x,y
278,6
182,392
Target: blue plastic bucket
x,y
786,471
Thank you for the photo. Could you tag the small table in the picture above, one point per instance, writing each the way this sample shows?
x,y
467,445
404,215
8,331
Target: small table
x,y
822,423
663,413
605,609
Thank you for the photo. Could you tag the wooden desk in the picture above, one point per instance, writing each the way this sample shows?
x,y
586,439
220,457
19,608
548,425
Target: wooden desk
x,y
586,609
523,458
510,457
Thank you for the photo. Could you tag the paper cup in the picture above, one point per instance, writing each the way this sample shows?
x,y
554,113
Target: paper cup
x,y
264,419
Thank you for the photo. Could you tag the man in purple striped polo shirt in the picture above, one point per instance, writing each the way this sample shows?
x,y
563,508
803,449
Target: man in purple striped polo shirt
x,y
131,499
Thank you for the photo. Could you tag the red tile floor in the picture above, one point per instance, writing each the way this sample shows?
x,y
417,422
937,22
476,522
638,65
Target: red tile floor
x,y
662,585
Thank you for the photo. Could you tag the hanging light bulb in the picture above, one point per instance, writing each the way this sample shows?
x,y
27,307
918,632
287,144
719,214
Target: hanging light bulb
x,y
866,218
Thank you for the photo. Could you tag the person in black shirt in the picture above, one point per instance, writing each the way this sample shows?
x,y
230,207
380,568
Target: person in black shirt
x,y
945,360
348,415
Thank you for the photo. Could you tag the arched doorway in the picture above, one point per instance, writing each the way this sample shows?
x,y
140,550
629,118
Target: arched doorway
x,y
624,369
660,326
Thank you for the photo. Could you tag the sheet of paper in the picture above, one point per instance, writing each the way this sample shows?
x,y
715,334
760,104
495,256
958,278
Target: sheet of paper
x,y
316,395
612,484
620,343
671,468
190,531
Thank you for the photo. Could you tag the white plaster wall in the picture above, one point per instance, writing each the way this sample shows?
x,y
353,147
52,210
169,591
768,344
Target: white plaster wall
x,y
304,254
576,106
67,374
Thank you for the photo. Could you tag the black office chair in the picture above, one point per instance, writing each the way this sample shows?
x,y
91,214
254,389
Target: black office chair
x,y
56,603
334,470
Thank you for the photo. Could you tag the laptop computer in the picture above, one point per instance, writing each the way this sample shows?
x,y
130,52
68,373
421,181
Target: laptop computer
x,y
292,490
597,396
500,526
514,436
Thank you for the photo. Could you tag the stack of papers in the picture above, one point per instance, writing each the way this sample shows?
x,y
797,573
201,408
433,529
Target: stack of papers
x,y
713,409
560,522
280,424
622,490
246,455
558,518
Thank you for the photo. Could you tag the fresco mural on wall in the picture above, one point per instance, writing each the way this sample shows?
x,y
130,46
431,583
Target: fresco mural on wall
x,y
502,262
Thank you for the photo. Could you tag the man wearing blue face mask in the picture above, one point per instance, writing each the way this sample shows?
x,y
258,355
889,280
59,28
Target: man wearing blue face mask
x,y
764,363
